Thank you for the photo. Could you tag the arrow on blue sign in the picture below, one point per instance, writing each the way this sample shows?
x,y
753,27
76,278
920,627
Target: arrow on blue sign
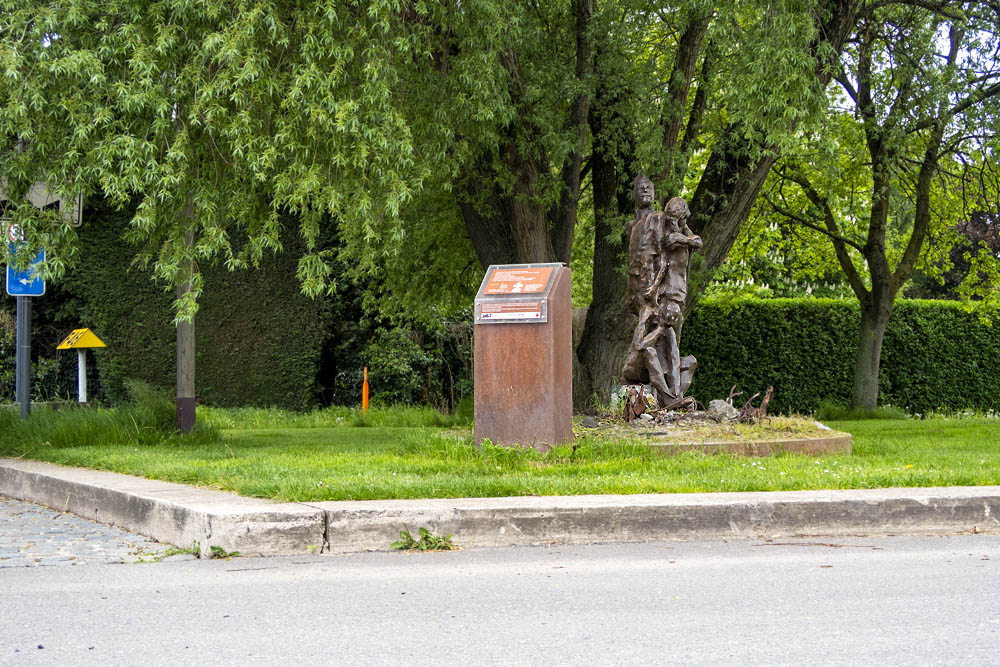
x,y
26,283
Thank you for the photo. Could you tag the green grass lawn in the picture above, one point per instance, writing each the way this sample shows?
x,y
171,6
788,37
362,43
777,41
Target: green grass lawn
x,y
323,457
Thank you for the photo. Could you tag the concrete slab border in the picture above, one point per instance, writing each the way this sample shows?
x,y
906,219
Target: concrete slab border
x,y
834,444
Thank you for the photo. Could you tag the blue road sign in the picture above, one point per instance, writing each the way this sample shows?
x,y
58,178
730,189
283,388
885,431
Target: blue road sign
x,y
26,283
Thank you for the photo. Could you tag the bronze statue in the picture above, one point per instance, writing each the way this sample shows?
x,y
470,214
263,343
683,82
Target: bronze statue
x,y
660,245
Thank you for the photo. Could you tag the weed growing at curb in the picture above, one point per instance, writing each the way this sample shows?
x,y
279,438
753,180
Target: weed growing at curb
x,y
221,554
427,541
171,550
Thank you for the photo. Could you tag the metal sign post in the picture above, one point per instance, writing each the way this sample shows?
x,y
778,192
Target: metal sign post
x,y
23,365
23,285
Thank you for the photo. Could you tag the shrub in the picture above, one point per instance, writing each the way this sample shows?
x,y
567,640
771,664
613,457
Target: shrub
x,y
935,355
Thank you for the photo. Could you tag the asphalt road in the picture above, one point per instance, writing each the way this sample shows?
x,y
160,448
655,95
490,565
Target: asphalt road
x,y
871,600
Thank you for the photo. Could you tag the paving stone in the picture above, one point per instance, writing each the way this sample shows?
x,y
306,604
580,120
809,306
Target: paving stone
x,y
33,535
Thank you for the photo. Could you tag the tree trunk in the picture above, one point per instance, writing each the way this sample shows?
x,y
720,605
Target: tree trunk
x,y
186,348
876,312
608,329
505,227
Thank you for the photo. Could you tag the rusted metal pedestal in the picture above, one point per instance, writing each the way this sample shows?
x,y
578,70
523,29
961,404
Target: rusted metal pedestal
x,y
524,357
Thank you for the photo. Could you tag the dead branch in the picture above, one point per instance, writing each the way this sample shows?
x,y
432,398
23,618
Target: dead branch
x,y
749,414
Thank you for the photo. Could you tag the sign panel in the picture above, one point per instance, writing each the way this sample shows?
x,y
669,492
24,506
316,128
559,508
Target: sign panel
x,y
513,310
509,280
514,293
25,283
80,338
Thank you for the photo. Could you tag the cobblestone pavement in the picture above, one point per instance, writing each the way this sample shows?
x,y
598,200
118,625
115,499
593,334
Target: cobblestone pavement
x,y
32,535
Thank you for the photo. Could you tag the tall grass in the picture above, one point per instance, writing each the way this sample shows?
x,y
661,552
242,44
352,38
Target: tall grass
x,y
146,420
384,416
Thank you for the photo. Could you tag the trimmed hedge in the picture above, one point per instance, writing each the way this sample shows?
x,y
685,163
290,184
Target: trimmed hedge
x,y
935,355
258,339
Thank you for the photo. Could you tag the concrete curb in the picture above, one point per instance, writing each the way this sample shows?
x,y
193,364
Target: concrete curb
x,y
173,513
180,514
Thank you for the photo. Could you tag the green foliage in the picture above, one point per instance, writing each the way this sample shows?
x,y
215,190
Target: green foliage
x,y
50,379
400,366
935,354
145,421
426,542
220,553
217,117
903,156
409,363
8,356
259,341
938,355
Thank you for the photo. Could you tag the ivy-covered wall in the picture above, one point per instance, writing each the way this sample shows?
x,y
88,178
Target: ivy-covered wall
x,y
935,355
259,340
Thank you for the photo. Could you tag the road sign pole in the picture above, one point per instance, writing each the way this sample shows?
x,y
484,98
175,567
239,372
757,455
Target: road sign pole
x,y
81,375
23,362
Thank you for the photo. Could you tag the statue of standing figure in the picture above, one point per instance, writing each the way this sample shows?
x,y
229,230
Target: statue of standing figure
x,y
660,246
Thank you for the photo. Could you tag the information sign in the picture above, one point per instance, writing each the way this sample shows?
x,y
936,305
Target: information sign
x,y
513,280
523,349
511,310
513,293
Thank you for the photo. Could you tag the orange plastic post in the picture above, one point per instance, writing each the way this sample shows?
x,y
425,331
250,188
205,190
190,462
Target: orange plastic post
x,y
364,393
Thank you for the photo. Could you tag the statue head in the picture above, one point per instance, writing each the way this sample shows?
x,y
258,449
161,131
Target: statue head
x,y
642,191
671,314
677,209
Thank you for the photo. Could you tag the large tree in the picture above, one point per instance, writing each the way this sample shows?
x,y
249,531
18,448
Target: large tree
x,y
704,98
905,155
701,98
213,118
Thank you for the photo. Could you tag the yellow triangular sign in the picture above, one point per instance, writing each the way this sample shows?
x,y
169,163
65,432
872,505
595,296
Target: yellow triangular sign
x,y
80,338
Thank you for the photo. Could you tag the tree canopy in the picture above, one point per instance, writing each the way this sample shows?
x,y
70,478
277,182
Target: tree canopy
x,y
438,136
905,154
212,118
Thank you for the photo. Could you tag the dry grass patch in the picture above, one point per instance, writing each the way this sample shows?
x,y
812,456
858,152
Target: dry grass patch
x,y
706,431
